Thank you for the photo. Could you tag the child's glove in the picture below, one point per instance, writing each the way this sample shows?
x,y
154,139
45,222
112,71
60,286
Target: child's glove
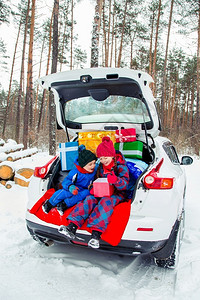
x,y
92,191
112,178
73,189
60,186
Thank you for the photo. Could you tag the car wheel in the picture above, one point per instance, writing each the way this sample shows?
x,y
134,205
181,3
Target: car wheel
x,y
172,261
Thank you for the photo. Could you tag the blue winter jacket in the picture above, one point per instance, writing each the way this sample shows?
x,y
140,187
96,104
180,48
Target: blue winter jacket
x,y
80,180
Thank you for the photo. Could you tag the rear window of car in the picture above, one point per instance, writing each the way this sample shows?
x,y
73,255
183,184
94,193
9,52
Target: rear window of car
x,y
114,108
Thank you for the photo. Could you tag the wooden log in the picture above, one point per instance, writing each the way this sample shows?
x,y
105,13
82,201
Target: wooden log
x,y
21,154
6,172
9,184
9,148
3,182
22,176
2,142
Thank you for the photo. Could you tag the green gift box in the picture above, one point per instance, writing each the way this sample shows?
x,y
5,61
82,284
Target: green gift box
x,y
130,149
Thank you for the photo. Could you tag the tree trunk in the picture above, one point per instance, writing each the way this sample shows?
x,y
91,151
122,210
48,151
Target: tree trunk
x,y
52,114
122,36
72,34
191,106
151,43
95,34
29,79
131,55
187,109
113,34
183,111
104,39
37,91
17,128
47,72
173,103
9,90
165,68
64,35
115,51
155,49
168,106
107,35
198,73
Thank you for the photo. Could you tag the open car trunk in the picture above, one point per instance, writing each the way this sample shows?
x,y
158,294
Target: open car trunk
x,y
120,217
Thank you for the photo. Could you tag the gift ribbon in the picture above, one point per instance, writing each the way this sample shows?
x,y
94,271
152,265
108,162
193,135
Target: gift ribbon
x,y
68,149
123,138
63,149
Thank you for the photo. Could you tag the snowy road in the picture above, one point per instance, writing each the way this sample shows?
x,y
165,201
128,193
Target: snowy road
x,y
31,271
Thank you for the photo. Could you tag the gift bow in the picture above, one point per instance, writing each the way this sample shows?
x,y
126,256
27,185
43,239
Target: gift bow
x,y
123,138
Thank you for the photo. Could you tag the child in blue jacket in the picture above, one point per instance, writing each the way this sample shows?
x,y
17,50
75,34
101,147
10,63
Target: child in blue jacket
x,y
75,185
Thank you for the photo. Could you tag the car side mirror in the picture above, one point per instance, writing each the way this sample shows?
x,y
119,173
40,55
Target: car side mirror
x,y
186,160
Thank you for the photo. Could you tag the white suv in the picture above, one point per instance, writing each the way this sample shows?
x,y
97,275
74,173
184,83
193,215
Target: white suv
x,y
110,99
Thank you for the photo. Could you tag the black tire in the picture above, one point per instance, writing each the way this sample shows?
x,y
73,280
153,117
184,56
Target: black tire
x,y
171,262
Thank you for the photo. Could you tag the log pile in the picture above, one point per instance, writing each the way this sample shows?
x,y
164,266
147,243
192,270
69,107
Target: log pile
x,y
10,173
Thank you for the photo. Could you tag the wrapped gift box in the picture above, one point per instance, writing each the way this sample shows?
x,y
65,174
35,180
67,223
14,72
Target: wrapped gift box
x,y
68,154
102,188
130,149
93,138
125,135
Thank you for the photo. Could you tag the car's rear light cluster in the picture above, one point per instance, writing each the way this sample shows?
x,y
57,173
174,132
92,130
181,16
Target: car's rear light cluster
x,y
43,171
152,181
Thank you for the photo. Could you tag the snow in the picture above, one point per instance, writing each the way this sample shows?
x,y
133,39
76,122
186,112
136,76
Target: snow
x,y
33,271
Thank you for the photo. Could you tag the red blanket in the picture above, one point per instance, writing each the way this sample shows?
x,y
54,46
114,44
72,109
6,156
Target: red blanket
x,y
114,231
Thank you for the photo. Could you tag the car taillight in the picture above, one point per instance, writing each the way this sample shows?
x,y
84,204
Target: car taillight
x,y
152,181
42,171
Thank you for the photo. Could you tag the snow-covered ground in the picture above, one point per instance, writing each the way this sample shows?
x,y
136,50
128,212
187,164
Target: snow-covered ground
x,y
29,271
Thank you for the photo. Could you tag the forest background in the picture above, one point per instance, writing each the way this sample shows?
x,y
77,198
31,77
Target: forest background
x,y
124,33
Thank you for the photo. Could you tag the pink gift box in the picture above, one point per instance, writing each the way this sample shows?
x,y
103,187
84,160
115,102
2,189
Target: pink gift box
x,y
102,188
125,135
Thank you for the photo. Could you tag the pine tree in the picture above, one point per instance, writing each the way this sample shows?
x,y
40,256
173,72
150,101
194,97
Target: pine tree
x,y
95,34
4,12
10,83
190,12
48,30
25,19
29,86
155,47
52,114
163,99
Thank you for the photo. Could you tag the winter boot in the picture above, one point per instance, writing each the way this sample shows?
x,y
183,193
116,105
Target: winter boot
x,y
61,208
46,207
94,241
69,231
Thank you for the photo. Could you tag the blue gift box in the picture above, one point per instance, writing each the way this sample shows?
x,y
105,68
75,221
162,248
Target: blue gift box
x,y
68,154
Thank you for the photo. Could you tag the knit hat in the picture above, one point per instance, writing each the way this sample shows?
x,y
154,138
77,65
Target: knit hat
x,y
85,156
106,148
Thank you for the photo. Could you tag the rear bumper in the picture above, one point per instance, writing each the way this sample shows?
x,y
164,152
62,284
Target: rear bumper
x,y
125,247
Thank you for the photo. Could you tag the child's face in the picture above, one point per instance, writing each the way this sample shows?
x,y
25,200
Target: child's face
x,y
105,160
90,166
